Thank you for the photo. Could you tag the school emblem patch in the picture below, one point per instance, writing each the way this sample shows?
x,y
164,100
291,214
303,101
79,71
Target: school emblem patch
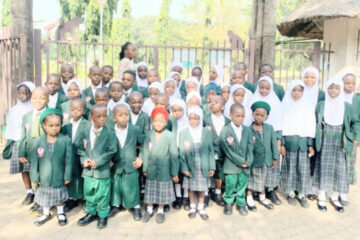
x,y
40,152
150,146
186,145
208,127
27,127
254,139
88,99
230,140
66,117
85,143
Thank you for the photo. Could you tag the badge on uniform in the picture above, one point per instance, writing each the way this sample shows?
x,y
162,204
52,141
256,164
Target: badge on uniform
x,y
85,143
150,146
186,145
88,99
66,117
40,152
230,140
27,127
208,127
254,139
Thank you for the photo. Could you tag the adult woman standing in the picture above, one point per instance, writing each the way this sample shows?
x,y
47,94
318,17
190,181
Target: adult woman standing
x,y
127,55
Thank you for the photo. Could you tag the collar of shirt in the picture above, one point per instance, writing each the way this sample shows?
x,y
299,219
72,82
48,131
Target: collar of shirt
x,y
219,122
128,92
75,122
95,130
94,88
134,117
237,130
35,112
121,134
53,99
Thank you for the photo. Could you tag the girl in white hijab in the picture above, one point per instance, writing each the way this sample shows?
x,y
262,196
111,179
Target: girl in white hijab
x,y
216,74
225,90
179,82
193,99
239,94
141,82
73,91
192,84
169,88
198,73
312,93
154,89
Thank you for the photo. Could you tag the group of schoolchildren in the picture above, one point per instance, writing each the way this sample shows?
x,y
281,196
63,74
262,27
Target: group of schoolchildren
x,y
117,144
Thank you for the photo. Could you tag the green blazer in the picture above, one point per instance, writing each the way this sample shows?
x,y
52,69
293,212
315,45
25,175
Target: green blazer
x,y
143,122
236,153
321,96
65,108
52,171
61,99
349,127
110,123
183,89
296,143
187,154
265,150
67,131
161,160
87,92
355,109
125,156
102,152
215,138
250,86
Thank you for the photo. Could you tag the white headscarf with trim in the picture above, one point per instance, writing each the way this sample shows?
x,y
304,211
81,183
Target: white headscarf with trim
x,y
197,131
183,122
220,74
347,96
230,102
191,95
311,93
177,88
334,107
143,83
77,82
149,105
194,80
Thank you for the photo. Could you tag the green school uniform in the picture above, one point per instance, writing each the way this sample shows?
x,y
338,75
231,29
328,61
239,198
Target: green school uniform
x,y
143,122
187,153
183,89
52,171
61,99
76,186
61,90
110,123
65,108
250,86
125,184
351,157
88,96
235,154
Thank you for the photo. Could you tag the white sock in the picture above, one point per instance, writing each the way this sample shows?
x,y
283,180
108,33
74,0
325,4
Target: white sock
x,y
178,189
322,196
192,206
292,194
217,191
262,197
186,193
334,196
60,210
160,210
343,196
137,206
29,191
46,211
301,195
207,192
150,209
250,200
270,189
201,209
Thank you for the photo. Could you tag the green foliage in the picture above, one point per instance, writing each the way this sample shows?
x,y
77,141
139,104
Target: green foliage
x,y
162,23
5,12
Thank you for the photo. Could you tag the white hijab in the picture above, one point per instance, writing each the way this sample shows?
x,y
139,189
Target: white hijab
x,y
191,95
298,118
194,80
311,93
197,131
183,122
143,83
16,114
177,88
275,116
149,105
71,82
347,96
334,107
220,74
202,74
174,95
230,102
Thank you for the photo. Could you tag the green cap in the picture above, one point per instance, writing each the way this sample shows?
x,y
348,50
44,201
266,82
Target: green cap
x,y
49,111
261,104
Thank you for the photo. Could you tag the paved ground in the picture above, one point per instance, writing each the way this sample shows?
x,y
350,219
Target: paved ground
x,y
284,222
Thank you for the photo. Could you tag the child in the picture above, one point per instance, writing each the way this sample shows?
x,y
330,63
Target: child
x,y
141,75
216,74
162,100
335,132
95,75
149,104
102,98
265,154
197,160
265,92
298,130
349,80
152,76
31,129
66,73
116,95
51,167
13,134
128,83
225,91
268,70
108,74
161,165
137,117
193,99
192,84
55,98
180,89
96,149
215,121
72,129
197,72
125,180
169,87
239,94
242,71
211,90
236,143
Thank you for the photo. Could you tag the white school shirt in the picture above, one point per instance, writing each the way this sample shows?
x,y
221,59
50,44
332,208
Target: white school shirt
x,y
237,130
53,100
128,92
75,126
94,88
219,123
134,117
92,135
121,135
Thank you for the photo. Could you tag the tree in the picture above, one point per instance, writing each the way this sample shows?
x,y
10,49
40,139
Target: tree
x,y
5,13
124,23
162,23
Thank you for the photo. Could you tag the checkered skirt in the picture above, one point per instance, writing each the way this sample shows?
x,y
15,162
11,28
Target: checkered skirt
x,y
15,165
157,192
49,196
198,183
273,176
351,160
295,172
330,168
257,178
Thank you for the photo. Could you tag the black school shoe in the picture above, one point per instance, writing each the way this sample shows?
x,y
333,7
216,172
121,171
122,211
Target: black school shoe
x,y
242,210
62,222
113,211
177,204
217,198
87,219
228,209
206,201
160,217
102,222
311,197
70,205
166,208
337,208
34,207
322,208
204,216
137,214
267,205
291,200
186,204
274,198
147,216
40,222
29,199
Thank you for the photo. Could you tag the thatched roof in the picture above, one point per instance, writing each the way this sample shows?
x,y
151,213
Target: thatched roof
x,y
308,20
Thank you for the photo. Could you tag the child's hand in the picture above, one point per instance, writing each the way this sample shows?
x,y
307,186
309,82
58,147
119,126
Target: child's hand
x,y
37,183
66,182
273,165
186,173
211,173
244,165
86,163
278,145
144,174
311,151
92,164
175,179
23,160
137,163
355,143
111,163
283,151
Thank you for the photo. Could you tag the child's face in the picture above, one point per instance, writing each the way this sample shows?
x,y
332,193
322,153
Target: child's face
x,y
237,116
152,76
349,84
216,105
73,91
297,93
116,92
194,120
95,76
194,101
99,117
196,72
121,117
210,95
309,79
159,122
127,81
142,71
191,86
177,111
108,74
225,93
161,102
135,103
169,88
53,84
67,73
177,78
334,90
260,115
213,74
77,110
239,95
264,88
177,69
21,94
237,78
153,92
131,51
266,71
52,125
101,98
241,68
39,99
